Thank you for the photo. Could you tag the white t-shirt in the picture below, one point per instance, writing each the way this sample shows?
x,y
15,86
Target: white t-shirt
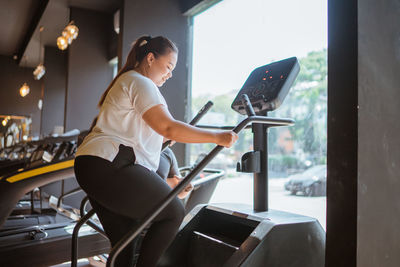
x,y
120,122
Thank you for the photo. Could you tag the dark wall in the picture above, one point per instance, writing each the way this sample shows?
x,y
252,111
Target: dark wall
x,y
89,72
165,18
55,81
379,128
341,224
12,78
363,210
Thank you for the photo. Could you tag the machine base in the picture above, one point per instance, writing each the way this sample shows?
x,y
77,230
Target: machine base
x,y
234,235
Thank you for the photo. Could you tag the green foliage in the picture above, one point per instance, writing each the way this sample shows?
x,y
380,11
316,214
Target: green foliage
x,y
307,105
313,67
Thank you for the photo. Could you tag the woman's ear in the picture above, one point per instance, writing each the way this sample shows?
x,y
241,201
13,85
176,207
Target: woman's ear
x,y
150,58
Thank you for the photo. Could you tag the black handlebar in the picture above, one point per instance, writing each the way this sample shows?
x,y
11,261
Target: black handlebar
x,y
247,105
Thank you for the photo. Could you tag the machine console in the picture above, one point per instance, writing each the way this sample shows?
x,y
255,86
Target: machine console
x,y
267,86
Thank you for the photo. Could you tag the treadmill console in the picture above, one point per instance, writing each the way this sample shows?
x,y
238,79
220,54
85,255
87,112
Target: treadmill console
x,y
267,86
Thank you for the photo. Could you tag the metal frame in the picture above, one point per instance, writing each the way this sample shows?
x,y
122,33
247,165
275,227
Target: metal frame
x,y
85,219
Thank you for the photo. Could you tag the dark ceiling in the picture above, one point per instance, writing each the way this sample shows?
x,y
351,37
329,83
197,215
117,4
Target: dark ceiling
x,y
20,21
15,17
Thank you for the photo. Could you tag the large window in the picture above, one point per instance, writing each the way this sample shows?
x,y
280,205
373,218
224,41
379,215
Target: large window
x,y
231,39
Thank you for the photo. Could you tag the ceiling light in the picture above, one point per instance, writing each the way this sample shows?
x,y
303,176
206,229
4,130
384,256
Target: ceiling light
x,y
62,43
39,72
40,69
40,104
69,34
72,30
24,90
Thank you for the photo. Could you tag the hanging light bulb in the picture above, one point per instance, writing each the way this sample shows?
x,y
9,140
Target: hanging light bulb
x,y
69,34
40,104
24,90
62,43
4,122
40,69
72,30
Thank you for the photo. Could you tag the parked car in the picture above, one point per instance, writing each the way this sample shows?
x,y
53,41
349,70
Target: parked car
x,y
311,182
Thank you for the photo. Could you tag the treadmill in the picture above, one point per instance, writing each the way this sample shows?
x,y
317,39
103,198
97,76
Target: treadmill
x,y
38,208
231,235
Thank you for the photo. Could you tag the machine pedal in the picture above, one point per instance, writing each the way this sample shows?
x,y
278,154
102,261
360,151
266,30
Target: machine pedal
x,y
210,250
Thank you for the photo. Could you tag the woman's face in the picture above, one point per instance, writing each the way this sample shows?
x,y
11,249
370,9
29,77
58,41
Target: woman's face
x,y
160,68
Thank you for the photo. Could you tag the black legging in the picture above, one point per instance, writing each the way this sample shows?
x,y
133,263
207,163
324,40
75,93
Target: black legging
x,y
122,193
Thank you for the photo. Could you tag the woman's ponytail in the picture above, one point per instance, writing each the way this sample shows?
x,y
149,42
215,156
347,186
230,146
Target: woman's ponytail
x,y
141,47
130,64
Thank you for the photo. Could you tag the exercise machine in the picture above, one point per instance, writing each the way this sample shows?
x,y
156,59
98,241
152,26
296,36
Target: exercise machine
x,y
238,235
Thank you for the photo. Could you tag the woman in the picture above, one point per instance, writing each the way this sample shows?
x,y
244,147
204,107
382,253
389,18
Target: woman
x,y
116,163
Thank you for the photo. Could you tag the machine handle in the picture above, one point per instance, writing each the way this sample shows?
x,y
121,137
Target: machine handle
x,y
201,113
196,118
247,105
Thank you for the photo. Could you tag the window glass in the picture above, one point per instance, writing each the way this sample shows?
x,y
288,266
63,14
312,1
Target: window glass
x,y
231,39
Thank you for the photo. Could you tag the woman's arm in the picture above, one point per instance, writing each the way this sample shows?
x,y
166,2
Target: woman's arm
x,y
161,121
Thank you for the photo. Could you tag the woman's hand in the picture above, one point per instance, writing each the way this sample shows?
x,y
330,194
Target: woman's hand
x,y
174,181
226,138
172,142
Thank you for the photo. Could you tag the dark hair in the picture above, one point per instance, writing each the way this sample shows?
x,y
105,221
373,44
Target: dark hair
x,y
158,46
93,124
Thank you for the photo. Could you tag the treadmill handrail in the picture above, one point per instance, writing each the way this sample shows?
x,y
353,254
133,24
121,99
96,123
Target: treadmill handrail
x,y
121,244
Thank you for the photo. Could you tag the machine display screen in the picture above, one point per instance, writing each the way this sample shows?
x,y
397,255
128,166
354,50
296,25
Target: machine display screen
x,y
267,86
